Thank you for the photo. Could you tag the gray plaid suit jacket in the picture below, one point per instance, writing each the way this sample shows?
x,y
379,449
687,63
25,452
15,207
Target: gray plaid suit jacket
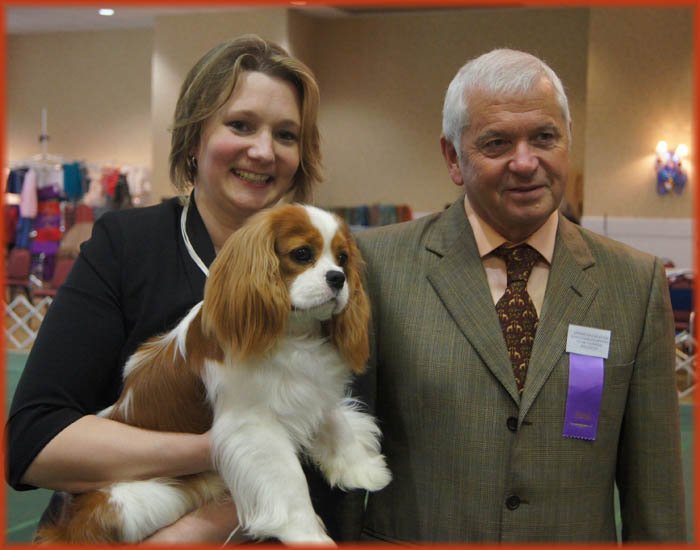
x,y
474,461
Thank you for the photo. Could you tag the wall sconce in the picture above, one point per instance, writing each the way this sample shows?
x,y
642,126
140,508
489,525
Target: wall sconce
x,y
670,174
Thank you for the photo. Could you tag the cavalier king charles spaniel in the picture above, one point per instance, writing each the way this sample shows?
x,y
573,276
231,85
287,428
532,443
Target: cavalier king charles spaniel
x,y
264,362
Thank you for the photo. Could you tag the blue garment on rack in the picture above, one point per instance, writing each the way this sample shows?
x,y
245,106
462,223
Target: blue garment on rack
x,y
72,180
15,179
24,228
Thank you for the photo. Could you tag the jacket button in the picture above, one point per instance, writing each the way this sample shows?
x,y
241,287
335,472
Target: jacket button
x,y
512,424
513,502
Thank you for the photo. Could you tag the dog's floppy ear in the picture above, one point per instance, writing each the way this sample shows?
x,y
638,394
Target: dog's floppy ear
x,y
246,303
349,330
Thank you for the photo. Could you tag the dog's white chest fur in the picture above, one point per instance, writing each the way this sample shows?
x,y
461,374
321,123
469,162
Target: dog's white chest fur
x,y
266,412
296,387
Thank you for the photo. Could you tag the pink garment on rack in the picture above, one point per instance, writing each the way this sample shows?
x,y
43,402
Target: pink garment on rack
x,y
95,197
28,202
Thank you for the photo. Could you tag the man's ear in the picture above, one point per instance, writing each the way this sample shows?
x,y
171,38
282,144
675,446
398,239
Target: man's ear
x,y
451,159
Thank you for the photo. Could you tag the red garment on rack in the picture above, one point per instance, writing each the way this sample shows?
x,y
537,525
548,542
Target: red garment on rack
x,y
110,177
84,213
48,234
11,217
49,208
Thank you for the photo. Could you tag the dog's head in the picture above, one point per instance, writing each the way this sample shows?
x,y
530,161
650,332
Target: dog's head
x,y
292,259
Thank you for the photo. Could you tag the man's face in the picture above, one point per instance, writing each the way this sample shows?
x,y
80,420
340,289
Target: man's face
x,y
514,159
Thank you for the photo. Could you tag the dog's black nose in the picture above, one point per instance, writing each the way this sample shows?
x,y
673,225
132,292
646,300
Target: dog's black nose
x,y
335,279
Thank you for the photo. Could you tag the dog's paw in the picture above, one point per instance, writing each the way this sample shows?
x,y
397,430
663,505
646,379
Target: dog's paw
x,y
371,474
297,533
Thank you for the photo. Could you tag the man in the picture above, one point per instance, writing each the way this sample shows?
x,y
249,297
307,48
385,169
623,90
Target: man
x,y
488,442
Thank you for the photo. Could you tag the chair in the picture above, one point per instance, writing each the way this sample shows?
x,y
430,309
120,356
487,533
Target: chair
x,y
681,287
17,270
681,291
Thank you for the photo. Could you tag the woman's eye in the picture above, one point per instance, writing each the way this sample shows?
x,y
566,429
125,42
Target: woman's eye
x,y
288,136
302,255
239,126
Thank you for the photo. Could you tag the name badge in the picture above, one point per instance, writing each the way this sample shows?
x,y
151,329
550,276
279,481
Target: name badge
x,y
594,342
588,348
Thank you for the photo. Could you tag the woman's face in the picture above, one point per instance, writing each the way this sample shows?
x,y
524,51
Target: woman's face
x,y
249,150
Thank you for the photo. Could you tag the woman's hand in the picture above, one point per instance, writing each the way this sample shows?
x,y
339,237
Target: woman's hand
x,y
212,523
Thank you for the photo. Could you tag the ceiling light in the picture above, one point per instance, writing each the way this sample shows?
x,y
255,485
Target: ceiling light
x,y
106,11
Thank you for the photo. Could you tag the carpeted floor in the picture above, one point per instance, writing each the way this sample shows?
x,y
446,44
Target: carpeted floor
x,y
24,508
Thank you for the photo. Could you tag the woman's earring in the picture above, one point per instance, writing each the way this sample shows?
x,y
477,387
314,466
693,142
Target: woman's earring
x,y
192,167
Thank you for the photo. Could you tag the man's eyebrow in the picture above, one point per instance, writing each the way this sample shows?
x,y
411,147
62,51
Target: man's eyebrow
x,y
550,127
489,134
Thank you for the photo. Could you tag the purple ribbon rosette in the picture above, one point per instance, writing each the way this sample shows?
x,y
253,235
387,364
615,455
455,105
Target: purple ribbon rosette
x,y
588,348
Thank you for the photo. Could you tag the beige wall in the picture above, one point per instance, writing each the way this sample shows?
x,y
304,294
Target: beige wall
x,y
111,95
639,92
383,81
96,88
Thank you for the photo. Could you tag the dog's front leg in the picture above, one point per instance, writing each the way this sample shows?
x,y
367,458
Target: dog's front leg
x,y
256,458
347,449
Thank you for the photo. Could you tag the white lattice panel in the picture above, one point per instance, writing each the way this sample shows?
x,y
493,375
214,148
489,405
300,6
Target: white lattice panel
x,y
22,321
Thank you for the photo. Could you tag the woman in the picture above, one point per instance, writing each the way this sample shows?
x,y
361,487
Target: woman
x,y
244,137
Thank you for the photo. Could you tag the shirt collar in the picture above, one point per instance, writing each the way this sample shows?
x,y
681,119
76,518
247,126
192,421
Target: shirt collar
x,y
488,239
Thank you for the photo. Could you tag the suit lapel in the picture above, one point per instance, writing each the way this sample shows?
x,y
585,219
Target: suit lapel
x,y
570,292
460,282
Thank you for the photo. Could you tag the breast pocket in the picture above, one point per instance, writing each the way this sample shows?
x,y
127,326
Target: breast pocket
x,y
618,374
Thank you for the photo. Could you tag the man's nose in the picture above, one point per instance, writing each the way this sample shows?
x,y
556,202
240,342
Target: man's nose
x,y
524,161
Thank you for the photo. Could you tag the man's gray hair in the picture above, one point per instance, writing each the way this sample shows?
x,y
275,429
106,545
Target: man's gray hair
x,y
498,72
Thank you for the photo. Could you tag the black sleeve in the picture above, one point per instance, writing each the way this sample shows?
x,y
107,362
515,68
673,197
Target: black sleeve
x,y
74,366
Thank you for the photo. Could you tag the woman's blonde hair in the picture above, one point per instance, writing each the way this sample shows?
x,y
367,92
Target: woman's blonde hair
x,y
210,83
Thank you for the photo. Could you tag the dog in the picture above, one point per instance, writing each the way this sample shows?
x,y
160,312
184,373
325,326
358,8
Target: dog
x,y
264,362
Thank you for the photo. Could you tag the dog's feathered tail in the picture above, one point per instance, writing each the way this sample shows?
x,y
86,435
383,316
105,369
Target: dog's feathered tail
x,y
127,511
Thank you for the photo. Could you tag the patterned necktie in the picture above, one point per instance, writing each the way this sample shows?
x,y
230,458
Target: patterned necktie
x,y
515,309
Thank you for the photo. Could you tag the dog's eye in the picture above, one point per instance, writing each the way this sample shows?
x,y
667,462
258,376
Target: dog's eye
x,y
302,255
342,259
